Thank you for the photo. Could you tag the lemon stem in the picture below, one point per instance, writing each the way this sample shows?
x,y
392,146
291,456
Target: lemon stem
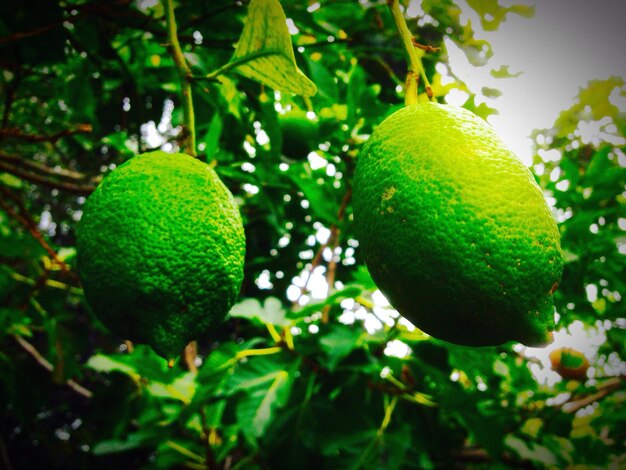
x,y
414,61
184,74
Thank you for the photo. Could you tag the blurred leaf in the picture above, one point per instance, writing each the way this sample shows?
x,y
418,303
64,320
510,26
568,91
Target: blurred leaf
x,y
142,362
133,441
181,388
340,342
104,363
335,298
320,195
212,137
492,14
503,72
490,92
534,453
263,384
324,80
271,311
12,320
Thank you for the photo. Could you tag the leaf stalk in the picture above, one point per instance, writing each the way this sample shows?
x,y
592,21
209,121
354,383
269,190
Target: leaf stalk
x,y
184,73
414,60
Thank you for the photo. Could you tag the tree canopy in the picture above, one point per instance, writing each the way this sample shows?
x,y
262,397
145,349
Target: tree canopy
x,y
313,368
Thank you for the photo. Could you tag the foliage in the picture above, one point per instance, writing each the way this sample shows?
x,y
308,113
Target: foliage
x,y
301,376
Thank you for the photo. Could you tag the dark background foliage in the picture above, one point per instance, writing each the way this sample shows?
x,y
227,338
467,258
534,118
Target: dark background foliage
x,y
295,378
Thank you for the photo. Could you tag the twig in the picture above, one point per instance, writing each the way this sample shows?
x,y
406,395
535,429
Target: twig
x,y
30,349
605,389
17,134
81,189
48,282
425,47
184,451
184,74
414,61
38,167
389,409
335,235
314,264
29,225
211,464
33,32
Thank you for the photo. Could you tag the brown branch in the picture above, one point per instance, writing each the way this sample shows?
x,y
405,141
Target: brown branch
x,y
331,239
425,47
603,390
82,189
30,226
314,264
38,167
332,268
335,233
83,11
42,361
33,32
17,134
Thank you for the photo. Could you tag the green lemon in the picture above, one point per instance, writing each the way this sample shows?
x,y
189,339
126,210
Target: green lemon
x,y
569,363
299,133
455,231
161,250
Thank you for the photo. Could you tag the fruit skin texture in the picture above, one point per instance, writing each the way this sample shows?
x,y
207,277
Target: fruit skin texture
x,y
454,230
161,250
569,363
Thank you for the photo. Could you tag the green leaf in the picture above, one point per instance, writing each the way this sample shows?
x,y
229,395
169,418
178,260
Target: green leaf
x,y
264,52
356,88
503,72
490,92
103,363
533,452
212,138
133,441
182,388
326,82
339,343
492,14
317,191
12,320
263,384
142,362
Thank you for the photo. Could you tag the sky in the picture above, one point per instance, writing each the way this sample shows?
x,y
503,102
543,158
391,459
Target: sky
x,y
566,44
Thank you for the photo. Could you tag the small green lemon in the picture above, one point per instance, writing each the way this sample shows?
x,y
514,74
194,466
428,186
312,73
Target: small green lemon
x,y
454,229
569,363
161,250
299,133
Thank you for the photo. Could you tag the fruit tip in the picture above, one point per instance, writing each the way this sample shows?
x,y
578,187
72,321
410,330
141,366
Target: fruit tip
x,y
170,363
546,340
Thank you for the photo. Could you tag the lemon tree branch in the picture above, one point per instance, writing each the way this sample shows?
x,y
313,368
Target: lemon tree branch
x,y
184,73
414,61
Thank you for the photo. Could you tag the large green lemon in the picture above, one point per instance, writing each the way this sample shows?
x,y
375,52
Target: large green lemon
x,y
455,231
161,250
